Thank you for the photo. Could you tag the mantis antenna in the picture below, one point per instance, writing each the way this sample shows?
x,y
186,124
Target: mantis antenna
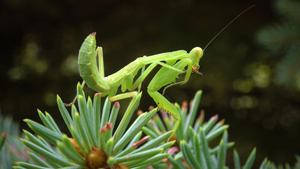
x,y
226,27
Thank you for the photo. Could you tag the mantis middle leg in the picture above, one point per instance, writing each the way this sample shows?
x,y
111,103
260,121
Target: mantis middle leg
x,y
144,74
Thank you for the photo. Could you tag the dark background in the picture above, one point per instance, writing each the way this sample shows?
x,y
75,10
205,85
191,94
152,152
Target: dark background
x,y
40,41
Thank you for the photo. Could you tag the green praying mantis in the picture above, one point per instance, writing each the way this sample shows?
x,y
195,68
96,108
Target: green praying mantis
x,y
172,65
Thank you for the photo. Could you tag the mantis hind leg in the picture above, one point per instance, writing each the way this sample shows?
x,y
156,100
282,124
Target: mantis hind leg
x,y
100,61
165,105
74,100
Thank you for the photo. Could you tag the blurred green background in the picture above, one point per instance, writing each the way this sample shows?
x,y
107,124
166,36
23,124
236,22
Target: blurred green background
x,y
40,42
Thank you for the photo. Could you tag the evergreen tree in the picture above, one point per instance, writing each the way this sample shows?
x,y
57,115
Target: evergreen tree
x,y
283,40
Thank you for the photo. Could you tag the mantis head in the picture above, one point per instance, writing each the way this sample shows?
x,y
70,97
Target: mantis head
x,y
196,54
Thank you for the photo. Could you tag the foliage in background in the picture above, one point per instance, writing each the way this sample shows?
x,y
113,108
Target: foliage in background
x,y
283,40
11,147
267,164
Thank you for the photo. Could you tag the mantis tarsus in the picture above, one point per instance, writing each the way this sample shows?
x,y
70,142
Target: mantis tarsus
x,y
172,65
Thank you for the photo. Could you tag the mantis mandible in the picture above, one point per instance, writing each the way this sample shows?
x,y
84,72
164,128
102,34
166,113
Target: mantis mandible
x,y
172,65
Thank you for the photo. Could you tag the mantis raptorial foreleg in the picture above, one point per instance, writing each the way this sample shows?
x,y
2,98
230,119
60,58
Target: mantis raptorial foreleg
x,y
164,77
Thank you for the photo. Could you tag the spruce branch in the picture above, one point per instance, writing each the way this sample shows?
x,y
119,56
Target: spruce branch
x,y
93,142
283,39
11,148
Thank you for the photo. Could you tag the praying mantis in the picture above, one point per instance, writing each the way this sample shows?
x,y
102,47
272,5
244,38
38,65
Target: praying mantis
x,y
172,65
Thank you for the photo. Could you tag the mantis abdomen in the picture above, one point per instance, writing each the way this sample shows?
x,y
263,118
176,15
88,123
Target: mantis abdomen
x,y
87,59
